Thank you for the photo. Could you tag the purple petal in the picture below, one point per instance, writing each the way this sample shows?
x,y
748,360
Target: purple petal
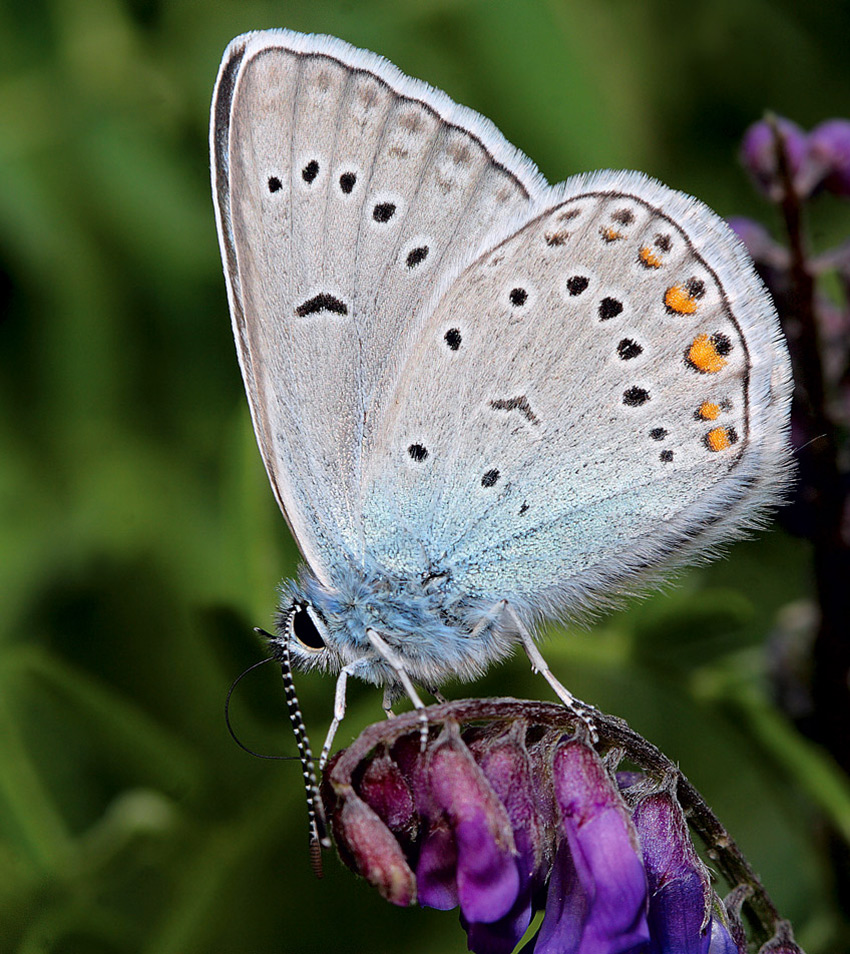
x,y
567,905
829,152
721,941
385,790
502,936
436,872
487,878
627,779
679,889
507,767
597,894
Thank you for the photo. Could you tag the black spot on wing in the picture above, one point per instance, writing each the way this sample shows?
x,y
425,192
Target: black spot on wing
x,y
516,404
635,396
628,349
609,308
383,212
417,256
321,302
453,338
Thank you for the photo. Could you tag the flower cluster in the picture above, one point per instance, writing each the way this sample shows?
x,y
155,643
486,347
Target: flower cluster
x,y
514,817
791,166
817,160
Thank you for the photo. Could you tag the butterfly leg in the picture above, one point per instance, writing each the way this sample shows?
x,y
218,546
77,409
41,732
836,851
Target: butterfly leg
x,y
387,704
390,657
539,665
435,692
339,712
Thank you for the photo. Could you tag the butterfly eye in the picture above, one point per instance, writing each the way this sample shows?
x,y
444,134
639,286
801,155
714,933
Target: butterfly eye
x,y
303,626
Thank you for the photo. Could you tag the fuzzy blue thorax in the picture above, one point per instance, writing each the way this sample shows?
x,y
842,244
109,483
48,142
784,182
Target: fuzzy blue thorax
x,y
425,623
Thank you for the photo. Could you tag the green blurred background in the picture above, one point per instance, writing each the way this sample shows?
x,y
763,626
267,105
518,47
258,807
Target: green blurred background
x,y
139,540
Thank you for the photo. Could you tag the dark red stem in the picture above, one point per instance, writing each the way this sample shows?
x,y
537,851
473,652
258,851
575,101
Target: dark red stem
x,y
823,486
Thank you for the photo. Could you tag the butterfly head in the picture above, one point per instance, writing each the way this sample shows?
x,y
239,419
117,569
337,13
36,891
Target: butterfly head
x,y
304,629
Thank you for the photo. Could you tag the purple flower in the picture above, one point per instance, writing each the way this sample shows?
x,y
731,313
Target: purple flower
x,y
816,160
829,155
503,820
597,892
509,769
760,157
680,908
485,869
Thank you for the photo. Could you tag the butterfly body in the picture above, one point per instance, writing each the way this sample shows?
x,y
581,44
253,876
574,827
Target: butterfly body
x,y
425,620
482,400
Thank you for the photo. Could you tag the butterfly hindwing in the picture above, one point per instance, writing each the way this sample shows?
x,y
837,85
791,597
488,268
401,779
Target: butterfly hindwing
x,y
611,388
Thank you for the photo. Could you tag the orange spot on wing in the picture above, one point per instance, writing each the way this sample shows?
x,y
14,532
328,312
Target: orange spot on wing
x,y
610,234
709,411
720,438
704,355
678,299
649,258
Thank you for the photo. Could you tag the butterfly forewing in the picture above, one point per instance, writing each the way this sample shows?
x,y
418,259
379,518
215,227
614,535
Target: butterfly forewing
x,y
347,196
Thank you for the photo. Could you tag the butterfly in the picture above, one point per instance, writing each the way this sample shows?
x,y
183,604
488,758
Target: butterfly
x,y
482,401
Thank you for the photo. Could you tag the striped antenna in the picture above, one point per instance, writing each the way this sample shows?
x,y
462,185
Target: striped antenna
x,y
315,812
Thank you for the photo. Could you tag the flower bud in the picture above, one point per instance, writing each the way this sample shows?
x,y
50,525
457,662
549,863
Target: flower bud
x,y
386,791
374,851
829,155
759,153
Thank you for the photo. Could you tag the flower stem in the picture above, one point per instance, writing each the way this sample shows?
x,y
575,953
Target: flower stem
x,y
823,485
